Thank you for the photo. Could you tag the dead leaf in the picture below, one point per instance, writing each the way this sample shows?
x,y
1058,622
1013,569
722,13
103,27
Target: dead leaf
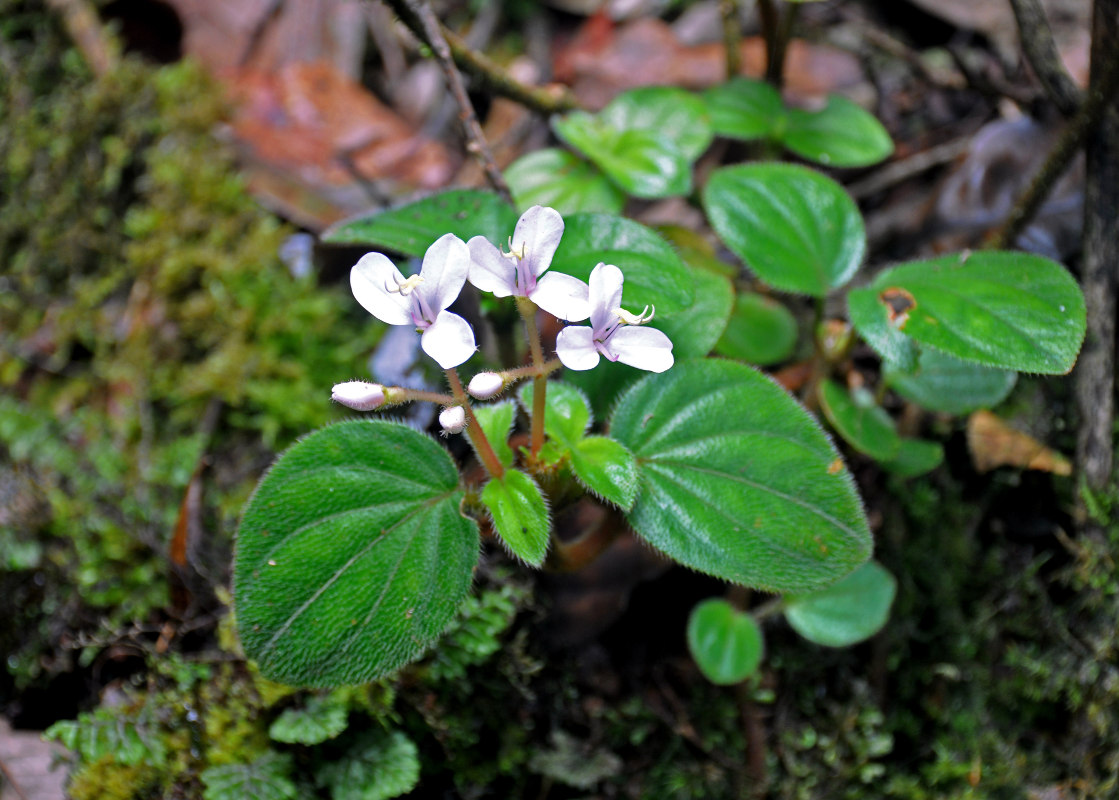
x,y
604,58
994,444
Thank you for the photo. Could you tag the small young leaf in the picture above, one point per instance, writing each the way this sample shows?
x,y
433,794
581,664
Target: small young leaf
x,y
266,778
607,468
317,721
379,766
694,330
563,181
496,420
412,228
520,516
654,274
860,421
915,457
738,480
847,612
352,556
796,229
745,109
641,162
761,331
1008,310
944,383
879,326
567,413
104,733
840,135
725,643
667,112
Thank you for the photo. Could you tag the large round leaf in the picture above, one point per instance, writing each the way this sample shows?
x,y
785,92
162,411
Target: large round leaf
x,y
761,331
851,610
944,383
643,163
1008,310
563,181
745,109
795,228
696,329
725,643
840,135
667,112
352,556
654,274
412,228
738,480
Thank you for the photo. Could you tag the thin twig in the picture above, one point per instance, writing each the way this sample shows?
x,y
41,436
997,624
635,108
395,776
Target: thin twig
x,y
897,171
1095,370
732,33
12,781
546,100
1076,132
1041,51
418,13
84,27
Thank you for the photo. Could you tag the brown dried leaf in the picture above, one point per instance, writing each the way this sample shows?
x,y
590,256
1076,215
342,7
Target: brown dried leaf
x,y
993,444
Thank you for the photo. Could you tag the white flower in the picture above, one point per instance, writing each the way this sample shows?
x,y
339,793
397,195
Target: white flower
x,y
421,300
359,395
485,385
452,419
520,272
614,332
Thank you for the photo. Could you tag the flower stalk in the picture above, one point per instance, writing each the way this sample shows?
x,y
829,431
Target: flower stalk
x,y
527,310
474,430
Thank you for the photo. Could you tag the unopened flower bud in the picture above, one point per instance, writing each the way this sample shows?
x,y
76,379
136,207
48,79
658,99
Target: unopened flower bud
x,y
452,419
359,395
485,385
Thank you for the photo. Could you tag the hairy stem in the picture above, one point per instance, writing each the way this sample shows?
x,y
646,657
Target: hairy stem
x,y
731,36
474,431
527,310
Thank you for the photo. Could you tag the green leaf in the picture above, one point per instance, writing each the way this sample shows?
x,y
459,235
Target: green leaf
x,y
666,112
266,778
567,414
944,383
520,516
860,421
654,274
643,163
695,330
847,612
104,733
870,316
798,230
606,468
319,720
915,457
738,480
496,420
1009,310
760,331
840,135
412,228
352,556
745,109
725,643
563,181
380,765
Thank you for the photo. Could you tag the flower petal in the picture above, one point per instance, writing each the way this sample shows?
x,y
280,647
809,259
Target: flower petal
x,y
489,270
575,348
538,232
370,280
446,264
644,348
562,296
449,340
605,295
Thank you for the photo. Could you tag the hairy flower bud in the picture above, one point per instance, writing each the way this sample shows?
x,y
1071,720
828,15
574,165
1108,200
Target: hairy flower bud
x,y
453,419
485,385
359,395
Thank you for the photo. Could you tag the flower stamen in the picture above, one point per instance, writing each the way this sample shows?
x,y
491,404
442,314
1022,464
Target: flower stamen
x,y
644,317
406,286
